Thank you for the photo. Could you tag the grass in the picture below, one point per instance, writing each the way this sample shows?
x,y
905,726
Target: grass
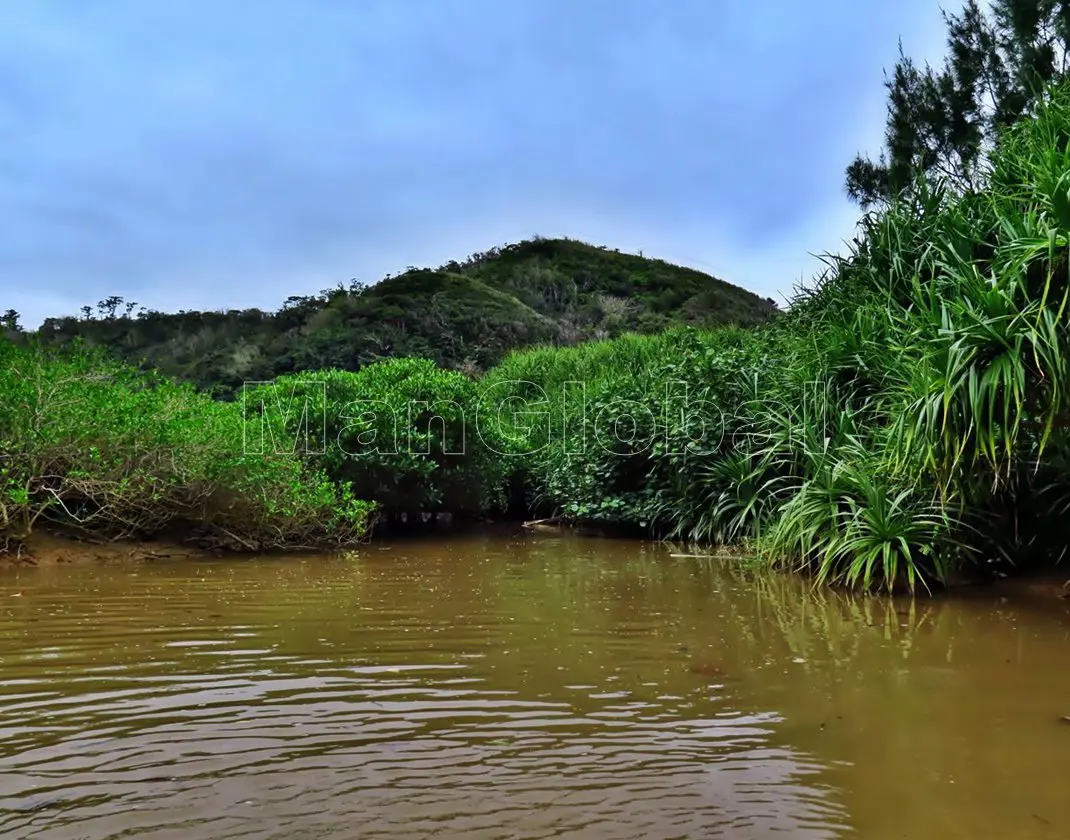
x,y
906,420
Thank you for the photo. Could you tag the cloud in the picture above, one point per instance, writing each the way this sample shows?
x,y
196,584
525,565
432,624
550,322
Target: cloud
x,y
187,154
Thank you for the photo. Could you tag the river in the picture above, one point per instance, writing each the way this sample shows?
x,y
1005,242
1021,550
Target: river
x,y
521,686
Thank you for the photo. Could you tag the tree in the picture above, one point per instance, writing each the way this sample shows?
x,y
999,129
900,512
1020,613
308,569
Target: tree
x,y
108,307
10,321
943,122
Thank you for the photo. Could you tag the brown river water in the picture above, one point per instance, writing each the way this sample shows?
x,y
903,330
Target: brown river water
x,y
521,686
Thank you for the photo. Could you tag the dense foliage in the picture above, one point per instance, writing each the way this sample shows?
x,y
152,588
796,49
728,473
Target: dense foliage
x,y
461,315
403,431
96,446
909,417
1001,58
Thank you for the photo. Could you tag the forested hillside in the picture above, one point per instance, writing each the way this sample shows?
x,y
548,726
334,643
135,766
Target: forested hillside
x,y
906,421
464,315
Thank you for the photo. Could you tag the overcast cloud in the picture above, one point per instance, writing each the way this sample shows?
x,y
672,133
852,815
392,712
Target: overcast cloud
x,y
189,154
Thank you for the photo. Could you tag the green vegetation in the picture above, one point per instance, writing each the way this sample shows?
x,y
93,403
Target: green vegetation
x,y
906,420
401,430
461,315
95,446
163,457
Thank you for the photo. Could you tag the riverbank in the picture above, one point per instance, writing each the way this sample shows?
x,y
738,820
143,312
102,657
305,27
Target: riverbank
x,y
49,549
45,550
902,426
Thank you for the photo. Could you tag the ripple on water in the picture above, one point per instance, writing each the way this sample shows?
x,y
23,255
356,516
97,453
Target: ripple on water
x,y
314,746
472,694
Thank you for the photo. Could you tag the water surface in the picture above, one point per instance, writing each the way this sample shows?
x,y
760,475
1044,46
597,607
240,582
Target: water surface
x,y
520,686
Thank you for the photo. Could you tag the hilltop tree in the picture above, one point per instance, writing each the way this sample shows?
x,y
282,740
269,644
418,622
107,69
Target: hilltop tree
x,y
109,306
944,121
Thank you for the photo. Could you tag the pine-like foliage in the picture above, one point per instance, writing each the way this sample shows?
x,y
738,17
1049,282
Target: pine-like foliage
x,y
944,121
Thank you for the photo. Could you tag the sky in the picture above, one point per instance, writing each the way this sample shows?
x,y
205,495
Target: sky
x,y
188,154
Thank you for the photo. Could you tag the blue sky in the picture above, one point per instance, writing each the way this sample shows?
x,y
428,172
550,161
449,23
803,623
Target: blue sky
x,y
189,154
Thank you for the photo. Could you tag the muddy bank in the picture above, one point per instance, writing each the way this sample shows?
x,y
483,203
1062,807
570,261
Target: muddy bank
x,y
56,549
1047,586
45,549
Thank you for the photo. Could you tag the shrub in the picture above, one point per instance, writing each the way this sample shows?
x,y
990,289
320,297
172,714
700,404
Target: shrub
x,y
98,446
402,431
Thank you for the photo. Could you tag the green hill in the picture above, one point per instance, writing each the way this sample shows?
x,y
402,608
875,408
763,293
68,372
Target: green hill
x,y
463,315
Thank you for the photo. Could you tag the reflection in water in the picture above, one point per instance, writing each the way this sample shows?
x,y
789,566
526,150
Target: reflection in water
x,y
528,686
